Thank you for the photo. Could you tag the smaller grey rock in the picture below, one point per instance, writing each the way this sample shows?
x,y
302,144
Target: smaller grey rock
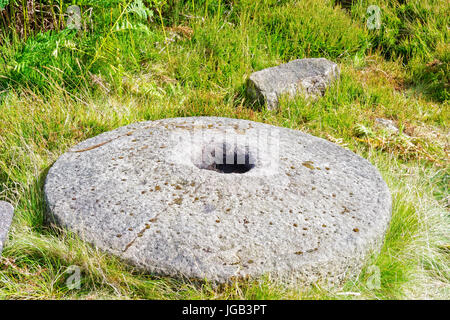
x,y
387,124
309,76
6,215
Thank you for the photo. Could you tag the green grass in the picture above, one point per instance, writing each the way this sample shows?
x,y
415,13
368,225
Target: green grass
x,y
125,69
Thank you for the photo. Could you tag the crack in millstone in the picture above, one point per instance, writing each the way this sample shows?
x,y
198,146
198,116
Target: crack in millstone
x,y
102,143
140,234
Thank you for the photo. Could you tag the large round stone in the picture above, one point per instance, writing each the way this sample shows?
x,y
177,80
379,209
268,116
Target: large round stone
x,y
219,198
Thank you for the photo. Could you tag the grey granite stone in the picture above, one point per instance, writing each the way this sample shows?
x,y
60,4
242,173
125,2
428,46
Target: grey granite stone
x,y
309,76
217,198
6,215
387,124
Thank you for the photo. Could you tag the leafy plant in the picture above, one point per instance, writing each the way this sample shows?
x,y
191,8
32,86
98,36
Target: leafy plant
x,y
3,4
138,8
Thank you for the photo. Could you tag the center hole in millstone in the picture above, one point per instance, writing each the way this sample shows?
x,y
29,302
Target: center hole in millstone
x,y
226,158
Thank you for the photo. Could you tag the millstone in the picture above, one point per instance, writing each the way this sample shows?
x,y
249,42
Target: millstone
x,y
220,198
6,216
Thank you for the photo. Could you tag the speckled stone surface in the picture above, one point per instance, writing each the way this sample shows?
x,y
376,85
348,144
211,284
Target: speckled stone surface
x,y
155,193
309,77
6,215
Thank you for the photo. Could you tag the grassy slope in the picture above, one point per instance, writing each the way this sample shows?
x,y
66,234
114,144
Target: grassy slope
x,y
201,70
